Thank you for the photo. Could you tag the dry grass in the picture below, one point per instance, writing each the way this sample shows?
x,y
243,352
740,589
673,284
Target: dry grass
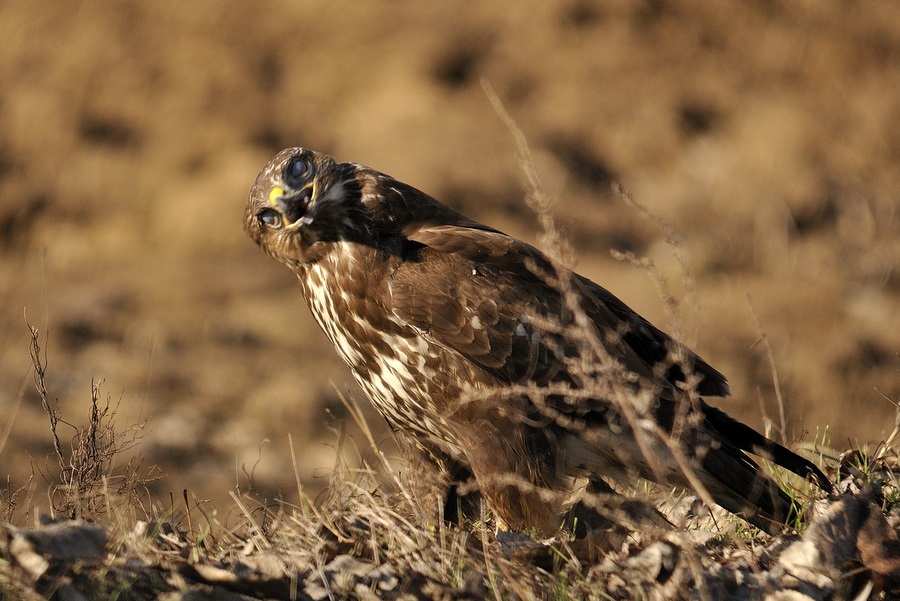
x,y
368,536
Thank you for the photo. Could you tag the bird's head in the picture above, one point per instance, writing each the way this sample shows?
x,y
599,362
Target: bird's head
x,y
302,202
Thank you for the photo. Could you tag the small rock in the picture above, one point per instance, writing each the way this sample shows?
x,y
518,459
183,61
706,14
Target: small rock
x,y
61,542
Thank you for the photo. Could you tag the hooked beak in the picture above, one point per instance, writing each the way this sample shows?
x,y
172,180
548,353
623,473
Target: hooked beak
x,y
295,206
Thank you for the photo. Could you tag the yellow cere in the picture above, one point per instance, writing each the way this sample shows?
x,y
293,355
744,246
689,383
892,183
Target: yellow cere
x,y
275,193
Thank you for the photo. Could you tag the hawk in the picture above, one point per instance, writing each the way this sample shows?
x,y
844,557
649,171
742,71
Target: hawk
x,y
496,360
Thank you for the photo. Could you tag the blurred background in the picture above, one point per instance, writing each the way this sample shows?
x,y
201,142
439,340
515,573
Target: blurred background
x,y
766,134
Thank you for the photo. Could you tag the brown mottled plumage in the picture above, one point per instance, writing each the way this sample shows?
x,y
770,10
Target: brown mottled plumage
x,y
462,339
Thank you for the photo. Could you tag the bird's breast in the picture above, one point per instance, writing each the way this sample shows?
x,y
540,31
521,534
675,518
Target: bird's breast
x,y
405,375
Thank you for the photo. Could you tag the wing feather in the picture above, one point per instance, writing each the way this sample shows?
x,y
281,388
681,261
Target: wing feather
x,y
477,291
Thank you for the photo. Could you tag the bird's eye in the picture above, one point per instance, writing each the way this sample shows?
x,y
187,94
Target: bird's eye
x,y
269,218
295,171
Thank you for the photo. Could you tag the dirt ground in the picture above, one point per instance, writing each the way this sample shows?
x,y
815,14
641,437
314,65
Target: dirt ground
x,y
767,134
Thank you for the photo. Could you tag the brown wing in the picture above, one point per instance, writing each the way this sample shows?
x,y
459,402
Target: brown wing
x,y
476,291
655,346
474,308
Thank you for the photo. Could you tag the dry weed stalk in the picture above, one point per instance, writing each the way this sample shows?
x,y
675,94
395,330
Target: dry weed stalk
x,y
763,338
90,479
599,373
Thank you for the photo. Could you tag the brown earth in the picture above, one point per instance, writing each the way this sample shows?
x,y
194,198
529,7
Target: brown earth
x,y
767,134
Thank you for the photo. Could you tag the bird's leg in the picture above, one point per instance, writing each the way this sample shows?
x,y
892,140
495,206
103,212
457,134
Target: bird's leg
x,y
442,484
582,518
463,501
515,468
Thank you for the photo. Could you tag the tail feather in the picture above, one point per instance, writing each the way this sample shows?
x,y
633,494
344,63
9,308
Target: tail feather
x,y
738,484
717,448
747,439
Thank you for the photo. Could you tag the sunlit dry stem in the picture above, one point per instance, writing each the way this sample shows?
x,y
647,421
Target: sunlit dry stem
x,y
583,326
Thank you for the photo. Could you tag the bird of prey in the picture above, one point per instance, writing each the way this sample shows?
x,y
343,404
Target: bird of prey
x,y
496,360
